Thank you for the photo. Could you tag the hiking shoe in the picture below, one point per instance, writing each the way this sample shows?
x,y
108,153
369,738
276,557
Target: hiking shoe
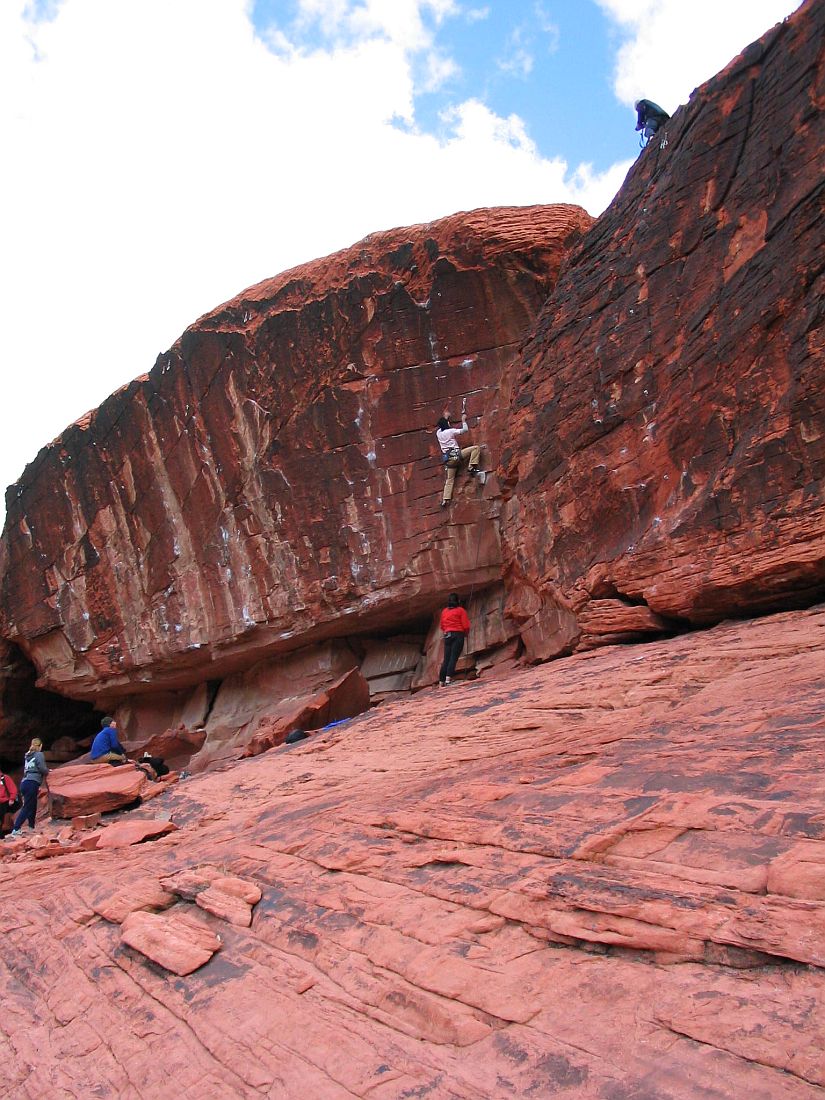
x,y
15,833
444,503
447,681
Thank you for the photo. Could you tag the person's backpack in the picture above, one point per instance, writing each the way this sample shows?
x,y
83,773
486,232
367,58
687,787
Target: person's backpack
x,y
156,763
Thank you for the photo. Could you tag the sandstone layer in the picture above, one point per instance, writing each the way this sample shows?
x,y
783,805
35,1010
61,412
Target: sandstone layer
x,y
600,878
668,444
239,524
274,477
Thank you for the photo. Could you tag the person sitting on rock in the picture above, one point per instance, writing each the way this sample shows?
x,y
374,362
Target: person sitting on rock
x,y
453,455
649,117
35,770
106,749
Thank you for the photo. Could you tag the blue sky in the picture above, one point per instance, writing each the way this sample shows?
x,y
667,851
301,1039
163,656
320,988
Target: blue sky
x,y
162,155
548,61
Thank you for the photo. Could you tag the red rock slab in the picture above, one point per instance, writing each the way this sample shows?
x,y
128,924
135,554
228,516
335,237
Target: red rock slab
x,y
13,845
228,907
189,882
157,787
133,831
145,893
170,941
347,697
87,821
800,872
47,851
239,888
82,789
435,881
178,742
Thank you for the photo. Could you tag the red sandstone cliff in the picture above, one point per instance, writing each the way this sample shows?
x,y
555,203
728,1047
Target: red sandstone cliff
x,y
601,878
668,446
272,484
253,528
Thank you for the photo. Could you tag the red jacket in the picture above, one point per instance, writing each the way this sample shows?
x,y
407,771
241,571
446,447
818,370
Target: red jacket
x,y
8,788
454,618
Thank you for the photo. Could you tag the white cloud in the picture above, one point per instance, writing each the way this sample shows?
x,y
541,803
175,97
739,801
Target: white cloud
x,y
159,157
546,25
401,21
671,47
518,57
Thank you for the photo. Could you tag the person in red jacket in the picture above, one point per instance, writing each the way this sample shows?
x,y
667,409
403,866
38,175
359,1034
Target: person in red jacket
x,y
455,626
8,798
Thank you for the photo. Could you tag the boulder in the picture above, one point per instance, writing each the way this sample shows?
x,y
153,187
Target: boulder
x,y
275,475
76,790
231,899
133,831
144,893
344,699
170,940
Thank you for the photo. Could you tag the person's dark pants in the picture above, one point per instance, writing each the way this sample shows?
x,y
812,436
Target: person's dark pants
x,y
651,129
453,645
29,791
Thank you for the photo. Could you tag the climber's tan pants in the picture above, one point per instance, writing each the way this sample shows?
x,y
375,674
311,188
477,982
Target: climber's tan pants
x,y
470,455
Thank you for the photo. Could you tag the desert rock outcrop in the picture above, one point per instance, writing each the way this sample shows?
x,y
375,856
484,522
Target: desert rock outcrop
x,y
668,453
272,485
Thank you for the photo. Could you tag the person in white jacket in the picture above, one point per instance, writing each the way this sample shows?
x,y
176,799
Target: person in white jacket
x,y
453,454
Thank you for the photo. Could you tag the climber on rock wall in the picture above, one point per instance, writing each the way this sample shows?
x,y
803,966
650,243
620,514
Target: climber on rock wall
x,y
649,117
452,454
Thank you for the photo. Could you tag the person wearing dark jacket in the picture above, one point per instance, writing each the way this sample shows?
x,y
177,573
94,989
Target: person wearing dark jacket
x,y
35,771
106,749
455,626
649,117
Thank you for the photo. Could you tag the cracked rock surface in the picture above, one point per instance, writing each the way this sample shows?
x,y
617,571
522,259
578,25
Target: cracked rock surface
x,y
600,878
666,453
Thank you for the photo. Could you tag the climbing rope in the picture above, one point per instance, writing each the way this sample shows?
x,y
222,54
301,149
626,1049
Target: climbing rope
x,y
478,548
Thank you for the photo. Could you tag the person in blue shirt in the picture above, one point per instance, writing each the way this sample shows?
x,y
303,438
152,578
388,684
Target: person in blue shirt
x,y
106,749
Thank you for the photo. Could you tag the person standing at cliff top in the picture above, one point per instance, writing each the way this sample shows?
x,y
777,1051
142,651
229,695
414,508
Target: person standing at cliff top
x,y
452,454
35,771
106,749
649,117
455,626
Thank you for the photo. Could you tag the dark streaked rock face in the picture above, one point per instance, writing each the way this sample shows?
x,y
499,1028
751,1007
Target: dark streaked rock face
x,y
274,481
225,539
668,438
